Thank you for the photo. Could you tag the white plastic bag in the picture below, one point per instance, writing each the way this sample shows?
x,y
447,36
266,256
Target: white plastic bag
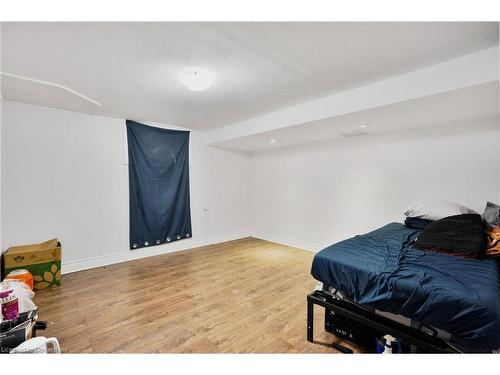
x,y
24,295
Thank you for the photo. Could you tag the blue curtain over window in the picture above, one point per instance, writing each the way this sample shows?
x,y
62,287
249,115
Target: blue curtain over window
x,y
159,185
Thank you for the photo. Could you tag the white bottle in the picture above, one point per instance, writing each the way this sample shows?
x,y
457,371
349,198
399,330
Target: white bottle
x,y
388,344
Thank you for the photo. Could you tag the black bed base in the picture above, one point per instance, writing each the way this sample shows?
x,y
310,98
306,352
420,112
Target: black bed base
x,y
421,341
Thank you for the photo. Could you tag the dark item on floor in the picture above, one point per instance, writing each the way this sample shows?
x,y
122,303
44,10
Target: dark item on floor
x,y
421,342
349,329
459,234
342,348
416,222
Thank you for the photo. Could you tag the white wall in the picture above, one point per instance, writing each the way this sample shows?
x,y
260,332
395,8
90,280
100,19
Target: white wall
x,y
65,176
312,196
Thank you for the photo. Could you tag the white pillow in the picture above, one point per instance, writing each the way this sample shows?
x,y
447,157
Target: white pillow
x,y
437,210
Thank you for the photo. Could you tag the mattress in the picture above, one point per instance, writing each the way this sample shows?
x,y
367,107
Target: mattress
x,y
383,270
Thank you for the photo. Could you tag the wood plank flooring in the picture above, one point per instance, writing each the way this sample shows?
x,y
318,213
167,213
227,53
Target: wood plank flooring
x,y
244,296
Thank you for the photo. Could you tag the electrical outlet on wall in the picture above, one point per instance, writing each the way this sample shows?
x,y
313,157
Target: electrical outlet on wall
x,y
204,217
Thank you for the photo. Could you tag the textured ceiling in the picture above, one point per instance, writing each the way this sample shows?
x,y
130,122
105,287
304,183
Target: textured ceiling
x,y
132,68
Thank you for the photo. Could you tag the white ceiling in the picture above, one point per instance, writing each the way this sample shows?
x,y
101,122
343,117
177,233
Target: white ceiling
x,y
450,108
132,68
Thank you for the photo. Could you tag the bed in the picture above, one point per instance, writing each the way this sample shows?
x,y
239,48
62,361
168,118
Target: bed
x,y
384,271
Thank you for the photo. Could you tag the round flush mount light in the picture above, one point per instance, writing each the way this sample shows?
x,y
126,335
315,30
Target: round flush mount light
x,y
363,126
272,141
198,79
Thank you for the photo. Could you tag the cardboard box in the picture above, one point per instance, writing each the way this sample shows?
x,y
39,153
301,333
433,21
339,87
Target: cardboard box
x,y
43,260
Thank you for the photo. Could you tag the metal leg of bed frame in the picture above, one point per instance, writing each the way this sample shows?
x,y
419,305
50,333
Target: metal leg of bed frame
x,y
423,342
310,319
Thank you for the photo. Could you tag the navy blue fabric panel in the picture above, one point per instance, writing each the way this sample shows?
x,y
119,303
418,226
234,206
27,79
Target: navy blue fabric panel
x,y
383,269
158,185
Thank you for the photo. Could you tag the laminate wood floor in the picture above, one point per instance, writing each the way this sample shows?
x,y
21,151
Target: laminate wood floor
x,y
244,296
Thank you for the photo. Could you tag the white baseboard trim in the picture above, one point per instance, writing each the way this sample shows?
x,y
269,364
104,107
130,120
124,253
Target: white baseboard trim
x,y
125,256
305,245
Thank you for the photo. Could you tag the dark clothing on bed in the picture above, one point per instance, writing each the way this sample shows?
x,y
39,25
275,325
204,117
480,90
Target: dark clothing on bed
x,y
460,235
382,269
417,222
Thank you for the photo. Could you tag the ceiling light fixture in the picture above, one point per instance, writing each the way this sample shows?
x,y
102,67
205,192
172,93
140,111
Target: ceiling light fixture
x,y
363,126
272,141
198,79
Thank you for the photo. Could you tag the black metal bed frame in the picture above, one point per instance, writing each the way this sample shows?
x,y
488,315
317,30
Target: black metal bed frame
x,y
424,342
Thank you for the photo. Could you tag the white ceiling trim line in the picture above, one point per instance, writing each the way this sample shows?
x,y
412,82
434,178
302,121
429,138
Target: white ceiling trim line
x,y
52,84
462,72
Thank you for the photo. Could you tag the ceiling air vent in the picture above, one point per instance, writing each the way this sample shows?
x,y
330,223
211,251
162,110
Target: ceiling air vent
x,y
354,133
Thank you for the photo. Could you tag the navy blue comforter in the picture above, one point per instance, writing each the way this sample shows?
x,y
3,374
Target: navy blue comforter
x,y
383,270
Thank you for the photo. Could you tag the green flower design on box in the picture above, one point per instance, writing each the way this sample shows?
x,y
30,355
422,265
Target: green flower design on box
x,y
53,276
